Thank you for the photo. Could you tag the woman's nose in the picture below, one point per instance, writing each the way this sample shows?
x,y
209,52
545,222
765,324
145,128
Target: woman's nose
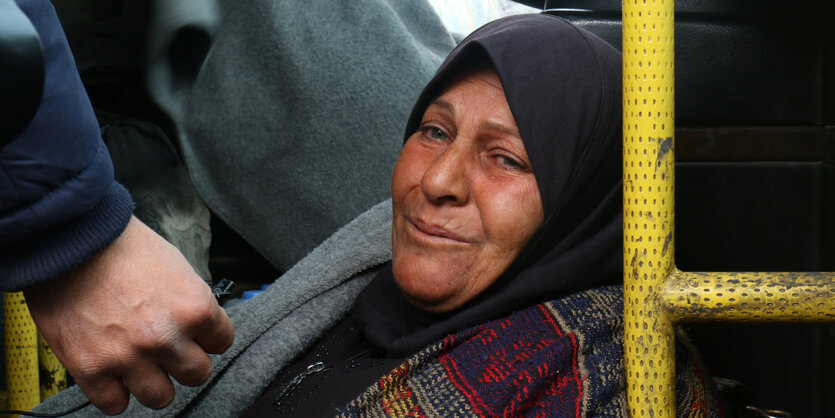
x,y
446,179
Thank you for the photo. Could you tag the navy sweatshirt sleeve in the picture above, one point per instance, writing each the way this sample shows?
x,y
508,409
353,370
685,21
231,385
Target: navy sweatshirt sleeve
x,y
59,203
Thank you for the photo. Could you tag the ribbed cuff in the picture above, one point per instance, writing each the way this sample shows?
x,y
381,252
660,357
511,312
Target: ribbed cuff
x,y
65,247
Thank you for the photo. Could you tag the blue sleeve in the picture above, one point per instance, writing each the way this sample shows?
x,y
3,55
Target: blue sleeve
x,y
59,204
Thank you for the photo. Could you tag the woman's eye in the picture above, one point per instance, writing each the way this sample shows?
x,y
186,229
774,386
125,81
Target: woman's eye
x,y
435,133
510,162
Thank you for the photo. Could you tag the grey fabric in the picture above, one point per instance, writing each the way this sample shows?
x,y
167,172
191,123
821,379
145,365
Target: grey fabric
x,y
107,41
275,326
147,164
290,113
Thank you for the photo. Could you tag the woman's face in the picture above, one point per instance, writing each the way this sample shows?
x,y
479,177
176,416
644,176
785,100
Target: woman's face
x,y
465,200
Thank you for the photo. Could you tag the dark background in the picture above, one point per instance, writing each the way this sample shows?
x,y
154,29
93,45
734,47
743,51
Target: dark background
x,y
755,180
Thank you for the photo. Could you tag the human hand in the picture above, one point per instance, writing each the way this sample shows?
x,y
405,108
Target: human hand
x,y
130,317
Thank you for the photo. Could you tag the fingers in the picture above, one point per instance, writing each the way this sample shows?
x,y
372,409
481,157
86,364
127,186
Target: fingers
x,y
190,365
216,334
125,319
148,382
150,385
213,331
106,393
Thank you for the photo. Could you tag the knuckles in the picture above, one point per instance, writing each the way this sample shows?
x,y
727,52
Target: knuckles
x,y
194,373
91,369
108,395
158,338
198,313
165,334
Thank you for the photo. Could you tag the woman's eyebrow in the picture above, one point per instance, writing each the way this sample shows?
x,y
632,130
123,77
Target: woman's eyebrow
x,y
500,127
488,125
444,104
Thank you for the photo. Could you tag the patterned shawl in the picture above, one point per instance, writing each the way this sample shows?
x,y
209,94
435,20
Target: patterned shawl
x,y
559,358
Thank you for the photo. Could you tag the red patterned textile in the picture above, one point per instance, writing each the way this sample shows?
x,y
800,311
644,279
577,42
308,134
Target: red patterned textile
x,y
558,359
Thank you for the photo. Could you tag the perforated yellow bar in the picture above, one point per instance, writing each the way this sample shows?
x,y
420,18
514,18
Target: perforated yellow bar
x,y
21,340
656,294
648,191
52,372
750,297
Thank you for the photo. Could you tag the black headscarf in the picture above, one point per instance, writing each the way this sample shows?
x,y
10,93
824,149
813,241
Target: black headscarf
x,y
563,85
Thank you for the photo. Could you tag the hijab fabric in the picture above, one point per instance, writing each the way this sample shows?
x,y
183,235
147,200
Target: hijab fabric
x,y
563,85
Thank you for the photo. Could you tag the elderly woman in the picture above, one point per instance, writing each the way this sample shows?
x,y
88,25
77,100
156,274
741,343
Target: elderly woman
x,y
505,246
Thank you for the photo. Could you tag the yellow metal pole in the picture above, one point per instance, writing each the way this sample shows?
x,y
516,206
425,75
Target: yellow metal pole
x,y
656,294
52,372
750,297
21,341
648,192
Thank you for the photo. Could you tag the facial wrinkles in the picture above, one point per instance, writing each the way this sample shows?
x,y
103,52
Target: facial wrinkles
x,y
468,184
469,142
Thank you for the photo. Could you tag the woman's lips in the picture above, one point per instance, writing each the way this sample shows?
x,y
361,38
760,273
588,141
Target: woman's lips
x,y
436,231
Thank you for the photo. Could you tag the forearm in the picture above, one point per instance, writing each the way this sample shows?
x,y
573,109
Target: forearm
x,y
59,205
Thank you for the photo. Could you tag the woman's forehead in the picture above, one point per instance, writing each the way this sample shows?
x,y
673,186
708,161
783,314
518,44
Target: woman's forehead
x,y
481,82
479,67
562,87
481,94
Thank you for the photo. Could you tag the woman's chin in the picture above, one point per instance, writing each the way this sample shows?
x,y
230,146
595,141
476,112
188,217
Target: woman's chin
x,y
428,290
426,296
433,305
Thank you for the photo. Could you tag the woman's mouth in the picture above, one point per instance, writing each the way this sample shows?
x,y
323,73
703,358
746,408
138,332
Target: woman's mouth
x,y
436,231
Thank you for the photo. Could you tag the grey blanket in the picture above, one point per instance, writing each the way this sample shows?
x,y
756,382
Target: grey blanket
x,y
274,327
290,117
291,113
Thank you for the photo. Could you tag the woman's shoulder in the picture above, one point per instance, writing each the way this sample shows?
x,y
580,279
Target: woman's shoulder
x,y
590,306
550,359
595,319
563,357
